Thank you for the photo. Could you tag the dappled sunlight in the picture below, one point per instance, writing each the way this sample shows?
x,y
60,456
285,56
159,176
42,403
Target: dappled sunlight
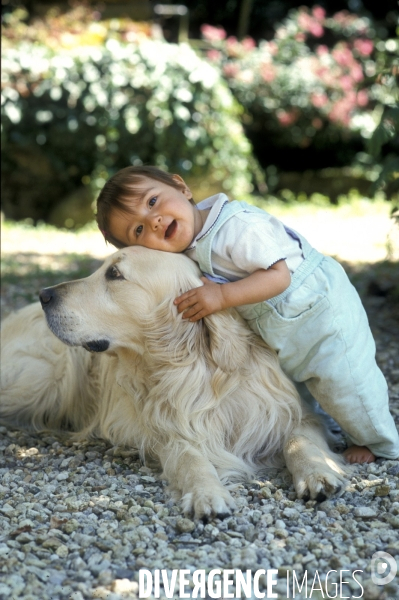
x,y
358,232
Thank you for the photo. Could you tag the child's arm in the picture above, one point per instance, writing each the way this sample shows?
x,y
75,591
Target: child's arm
x,y
212,297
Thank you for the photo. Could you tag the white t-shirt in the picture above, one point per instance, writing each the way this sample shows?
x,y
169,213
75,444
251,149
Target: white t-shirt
x,y
247,241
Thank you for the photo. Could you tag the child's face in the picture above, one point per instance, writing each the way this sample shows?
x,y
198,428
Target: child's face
x,y
162,218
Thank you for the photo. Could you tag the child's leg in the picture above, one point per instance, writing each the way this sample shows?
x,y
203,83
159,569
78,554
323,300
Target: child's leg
x,y
353,454
344,376
322,335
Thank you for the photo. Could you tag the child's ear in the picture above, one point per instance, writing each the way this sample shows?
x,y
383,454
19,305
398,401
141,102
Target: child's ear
x,y
184,187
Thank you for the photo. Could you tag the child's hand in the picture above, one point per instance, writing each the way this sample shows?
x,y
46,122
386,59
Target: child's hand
x,y
201,301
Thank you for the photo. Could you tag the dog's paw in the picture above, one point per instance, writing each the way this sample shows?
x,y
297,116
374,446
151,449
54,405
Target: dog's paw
x,y
319,486
206,502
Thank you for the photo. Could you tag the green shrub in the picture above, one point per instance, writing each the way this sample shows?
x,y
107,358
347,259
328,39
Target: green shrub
x,y
72,116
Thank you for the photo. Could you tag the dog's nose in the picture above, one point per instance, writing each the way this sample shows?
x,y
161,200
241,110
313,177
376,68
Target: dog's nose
x,y
46,296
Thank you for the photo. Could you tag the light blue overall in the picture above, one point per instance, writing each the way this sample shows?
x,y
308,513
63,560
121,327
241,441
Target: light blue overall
x,y
320,330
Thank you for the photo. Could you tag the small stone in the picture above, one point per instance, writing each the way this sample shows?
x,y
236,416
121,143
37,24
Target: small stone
x,y
335,562
265,492
281,533
290,513
280,524
364,512
382,490
334,514
76,596
308,558
51,542
283,570
185,525
70,526
5,591
124,585
62,551
24,538
7,509
371,590
105,577
393,521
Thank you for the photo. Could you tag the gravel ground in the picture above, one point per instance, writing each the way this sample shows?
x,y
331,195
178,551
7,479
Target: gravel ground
x,y
80,519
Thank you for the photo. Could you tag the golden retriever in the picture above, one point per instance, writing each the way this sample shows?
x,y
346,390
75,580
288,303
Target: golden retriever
x,y
207,399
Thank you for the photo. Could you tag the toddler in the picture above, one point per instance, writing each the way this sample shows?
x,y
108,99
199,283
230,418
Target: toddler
x,y
299,301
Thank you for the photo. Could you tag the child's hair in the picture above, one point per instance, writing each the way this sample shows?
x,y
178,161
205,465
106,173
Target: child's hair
x,y
120,191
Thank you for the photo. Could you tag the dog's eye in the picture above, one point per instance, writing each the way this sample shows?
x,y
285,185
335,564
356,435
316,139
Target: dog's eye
x,y
113,273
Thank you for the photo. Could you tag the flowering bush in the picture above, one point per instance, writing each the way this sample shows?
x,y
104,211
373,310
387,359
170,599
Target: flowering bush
x,y
75,115
309,84
79,26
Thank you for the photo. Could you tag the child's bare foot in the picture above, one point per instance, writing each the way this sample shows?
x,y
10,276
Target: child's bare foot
x,y
358,454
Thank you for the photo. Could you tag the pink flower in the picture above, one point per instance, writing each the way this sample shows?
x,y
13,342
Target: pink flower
x,y
248,43
316,29
326,76
362,98
342,109
318,100
322,49
364,47
231,69
268,72
213,34
339,114
346,82
356,72
273,48
231,40
303,20
287,118
342,55
344,18
319,13
308,23
300,37
317,123
233,46
214,55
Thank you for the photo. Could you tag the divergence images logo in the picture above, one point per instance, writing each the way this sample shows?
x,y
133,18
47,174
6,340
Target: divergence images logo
x,y
383,568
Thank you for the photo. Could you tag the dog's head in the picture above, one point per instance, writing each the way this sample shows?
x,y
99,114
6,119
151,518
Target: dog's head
x,y
108,309
128,304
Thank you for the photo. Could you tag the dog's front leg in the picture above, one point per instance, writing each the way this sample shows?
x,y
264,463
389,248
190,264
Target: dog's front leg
x,y
317,472
195,478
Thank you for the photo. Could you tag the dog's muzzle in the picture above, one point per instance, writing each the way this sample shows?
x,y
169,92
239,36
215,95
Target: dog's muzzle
x,y
49,299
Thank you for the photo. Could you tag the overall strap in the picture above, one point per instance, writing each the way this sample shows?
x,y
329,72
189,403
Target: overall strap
x,y
204,244
204,247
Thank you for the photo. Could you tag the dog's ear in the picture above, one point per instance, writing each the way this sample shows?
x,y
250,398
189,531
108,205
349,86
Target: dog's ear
x,y
229,341
170,339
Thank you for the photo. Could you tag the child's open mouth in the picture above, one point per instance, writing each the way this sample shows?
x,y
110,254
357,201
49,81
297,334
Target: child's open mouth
x,y
171,229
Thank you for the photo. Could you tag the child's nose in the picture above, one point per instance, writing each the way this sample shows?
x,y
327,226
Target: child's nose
x,y
156,222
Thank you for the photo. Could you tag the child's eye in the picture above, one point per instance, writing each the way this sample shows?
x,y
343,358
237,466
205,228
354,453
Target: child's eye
x,y
152,201
139,230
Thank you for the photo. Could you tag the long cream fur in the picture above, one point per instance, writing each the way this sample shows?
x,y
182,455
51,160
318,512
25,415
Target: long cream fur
x,y
207,399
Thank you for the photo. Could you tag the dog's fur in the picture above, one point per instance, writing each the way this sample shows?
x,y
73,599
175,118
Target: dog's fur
x,y
207,399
